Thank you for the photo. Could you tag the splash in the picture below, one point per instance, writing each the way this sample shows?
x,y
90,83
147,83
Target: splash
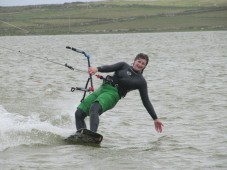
x,y
17,129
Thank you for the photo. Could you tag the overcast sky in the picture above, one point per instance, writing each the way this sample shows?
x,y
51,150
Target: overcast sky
x,y
37,2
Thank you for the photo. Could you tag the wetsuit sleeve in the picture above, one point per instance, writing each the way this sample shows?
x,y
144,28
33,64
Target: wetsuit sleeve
x,y
111,68
146,101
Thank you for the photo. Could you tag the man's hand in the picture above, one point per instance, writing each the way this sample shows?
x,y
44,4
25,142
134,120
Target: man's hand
x,y
158,125
92,70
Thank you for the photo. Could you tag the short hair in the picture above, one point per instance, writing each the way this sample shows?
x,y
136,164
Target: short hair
x,y
142,56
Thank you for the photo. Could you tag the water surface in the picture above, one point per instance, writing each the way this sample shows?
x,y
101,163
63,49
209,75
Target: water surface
x,y
186,75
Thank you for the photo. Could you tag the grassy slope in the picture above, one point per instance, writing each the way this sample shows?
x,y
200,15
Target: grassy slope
x,y
114,17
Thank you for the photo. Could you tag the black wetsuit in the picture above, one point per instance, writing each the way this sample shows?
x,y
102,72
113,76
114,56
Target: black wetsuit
x,y
127,80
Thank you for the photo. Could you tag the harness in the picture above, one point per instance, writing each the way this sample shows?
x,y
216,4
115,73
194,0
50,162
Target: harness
x,y
108,80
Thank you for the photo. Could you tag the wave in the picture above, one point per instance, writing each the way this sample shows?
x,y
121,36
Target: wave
x,y
17,129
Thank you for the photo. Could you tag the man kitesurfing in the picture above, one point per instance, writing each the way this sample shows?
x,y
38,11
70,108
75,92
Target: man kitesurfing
x,y
125,78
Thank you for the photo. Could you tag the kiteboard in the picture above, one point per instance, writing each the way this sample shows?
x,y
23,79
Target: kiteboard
x,y
85,137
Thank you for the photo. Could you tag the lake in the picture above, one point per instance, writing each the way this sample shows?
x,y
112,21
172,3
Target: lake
x,y
187,84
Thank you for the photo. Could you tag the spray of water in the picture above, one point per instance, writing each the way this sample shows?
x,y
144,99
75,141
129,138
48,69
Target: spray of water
x,y
17,129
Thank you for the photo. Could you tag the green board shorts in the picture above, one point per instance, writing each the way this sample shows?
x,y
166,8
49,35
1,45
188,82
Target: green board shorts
x,y
106,95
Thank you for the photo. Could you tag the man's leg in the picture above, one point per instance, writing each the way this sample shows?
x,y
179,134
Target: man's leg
x,y
80,116
95,111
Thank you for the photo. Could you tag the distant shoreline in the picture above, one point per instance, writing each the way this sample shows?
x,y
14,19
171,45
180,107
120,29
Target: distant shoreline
x,y
111,17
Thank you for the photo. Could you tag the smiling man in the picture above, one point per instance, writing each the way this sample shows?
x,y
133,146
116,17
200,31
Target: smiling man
x,y
125,78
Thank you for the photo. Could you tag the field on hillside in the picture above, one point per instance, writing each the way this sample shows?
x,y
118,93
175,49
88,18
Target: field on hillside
x,y
114,17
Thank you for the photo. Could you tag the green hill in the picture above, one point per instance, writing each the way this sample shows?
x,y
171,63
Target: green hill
x,y
114,17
